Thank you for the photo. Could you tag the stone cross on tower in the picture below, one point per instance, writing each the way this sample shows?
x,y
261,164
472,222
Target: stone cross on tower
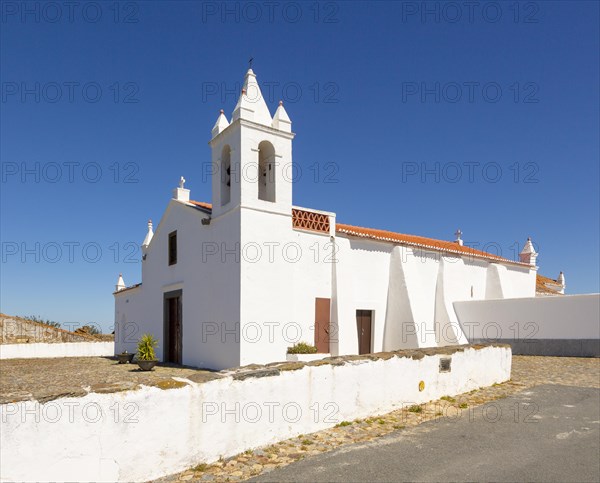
x,y
181,182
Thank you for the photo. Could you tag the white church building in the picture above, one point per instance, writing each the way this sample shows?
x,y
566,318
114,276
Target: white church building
x,y
239,280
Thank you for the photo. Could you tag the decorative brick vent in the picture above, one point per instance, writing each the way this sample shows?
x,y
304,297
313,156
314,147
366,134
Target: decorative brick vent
x,y
445,364
309,220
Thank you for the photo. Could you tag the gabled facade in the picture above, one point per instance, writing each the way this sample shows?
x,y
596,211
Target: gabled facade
x,y
241,279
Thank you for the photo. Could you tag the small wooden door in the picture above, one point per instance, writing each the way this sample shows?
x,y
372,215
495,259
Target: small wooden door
x,y
173,328
322,323
364,329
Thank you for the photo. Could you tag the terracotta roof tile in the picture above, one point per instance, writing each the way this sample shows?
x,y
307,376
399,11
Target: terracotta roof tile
x,y
419,241
201,204
542,287
542,279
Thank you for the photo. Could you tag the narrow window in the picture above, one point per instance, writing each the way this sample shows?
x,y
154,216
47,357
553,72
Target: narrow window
x,y
225,175
266,171
173,248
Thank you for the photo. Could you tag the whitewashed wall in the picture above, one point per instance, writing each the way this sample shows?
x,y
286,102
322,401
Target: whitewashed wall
x,y
278,289
559,317
138,435
59,349
411,292
208,273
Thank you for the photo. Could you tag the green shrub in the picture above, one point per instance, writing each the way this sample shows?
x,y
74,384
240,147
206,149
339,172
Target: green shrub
x,y
342,424
146,346
415,409
302,348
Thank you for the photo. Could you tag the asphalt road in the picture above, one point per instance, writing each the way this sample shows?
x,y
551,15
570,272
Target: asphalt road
x,y
548,433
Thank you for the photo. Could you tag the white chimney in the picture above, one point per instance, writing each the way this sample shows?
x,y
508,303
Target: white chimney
x,y
528,254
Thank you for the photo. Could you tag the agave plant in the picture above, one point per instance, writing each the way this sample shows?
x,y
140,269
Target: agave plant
x,y
146,346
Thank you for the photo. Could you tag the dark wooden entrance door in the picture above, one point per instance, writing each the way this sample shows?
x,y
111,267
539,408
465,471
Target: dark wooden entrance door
x,y
322,323
364,328
173,327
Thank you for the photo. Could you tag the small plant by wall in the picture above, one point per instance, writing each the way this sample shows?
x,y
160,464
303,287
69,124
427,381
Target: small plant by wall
x,y
302,348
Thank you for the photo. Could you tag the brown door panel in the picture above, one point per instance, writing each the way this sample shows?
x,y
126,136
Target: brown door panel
x,y
322,323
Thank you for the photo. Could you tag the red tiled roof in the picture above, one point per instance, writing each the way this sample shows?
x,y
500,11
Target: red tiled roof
x,y
542,279
541,285
411,240
419,241
201,204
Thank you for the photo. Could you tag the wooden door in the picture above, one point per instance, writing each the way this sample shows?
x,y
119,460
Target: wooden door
x,y
322,323
173,328
364,329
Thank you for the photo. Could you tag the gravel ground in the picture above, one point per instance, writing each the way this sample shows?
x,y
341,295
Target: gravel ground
x,y
48,379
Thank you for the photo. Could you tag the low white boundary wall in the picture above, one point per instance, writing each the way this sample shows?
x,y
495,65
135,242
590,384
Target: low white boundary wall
x,y
37,350
148,433
556,326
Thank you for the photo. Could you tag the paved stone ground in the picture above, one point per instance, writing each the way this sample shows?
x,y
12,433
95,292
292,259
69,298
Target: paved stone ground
x,y
527,372
48,379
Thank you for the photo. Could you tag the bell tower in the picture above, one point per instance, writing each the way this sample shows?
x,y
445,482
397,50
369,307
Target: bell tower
x,y
252,156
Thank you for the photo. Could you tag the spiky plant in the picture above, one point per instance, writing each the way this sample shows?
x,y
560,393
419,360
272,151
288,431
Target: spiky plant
x,y
146,346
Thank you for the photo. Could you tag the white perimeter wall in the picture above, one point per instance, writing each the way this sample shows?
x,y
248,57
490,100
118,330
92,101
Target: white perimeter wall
x,y
66,349
560,317
144,434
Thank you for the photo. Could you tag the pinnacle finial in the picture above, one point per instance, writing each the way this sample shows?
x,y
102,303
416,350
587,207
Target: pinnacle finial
x,y
458,234
120,283
181,182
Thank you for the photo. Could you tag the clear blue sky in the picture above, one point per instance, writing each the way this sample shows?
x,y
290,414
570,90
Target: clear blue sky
x,y
389,96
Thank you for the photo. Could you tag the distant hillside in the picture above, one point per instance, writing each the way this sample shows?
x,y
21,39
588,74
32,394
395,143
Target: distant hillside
x,y
16,330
